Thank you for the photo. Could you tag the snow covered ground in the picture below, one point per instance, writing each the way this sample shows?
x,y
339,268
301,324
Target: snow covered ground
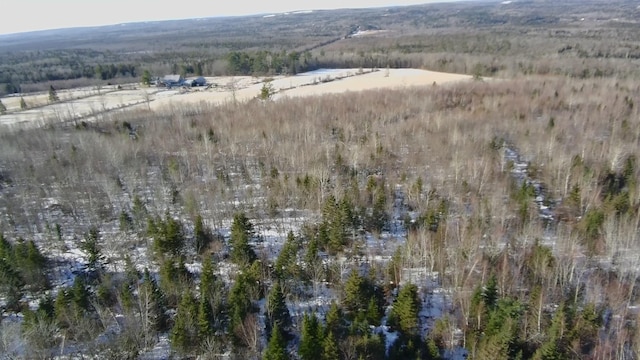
x,y
90,104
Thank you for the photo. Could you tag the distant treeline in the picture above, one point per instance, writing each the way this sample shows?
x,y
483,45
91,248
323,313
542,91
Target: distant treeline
x,y
17,69
22,72
268,62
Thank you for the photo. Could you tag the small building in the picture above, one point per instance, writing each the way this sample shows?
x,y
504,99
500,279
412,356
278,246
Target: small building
x,y
199,81
171,81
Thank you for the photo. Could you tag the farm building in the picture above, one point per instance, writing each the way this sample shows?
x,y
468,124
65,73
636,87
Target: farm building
x,y
171,80
198,81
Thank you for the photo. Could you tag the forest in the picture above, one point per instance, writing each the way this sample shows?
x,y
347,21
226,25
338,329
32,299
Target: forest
x,y
495,218
476,37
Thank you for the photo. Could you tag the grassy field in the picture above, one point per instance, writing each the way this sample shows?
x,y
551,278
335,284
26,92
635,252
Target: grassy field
x,y
93,104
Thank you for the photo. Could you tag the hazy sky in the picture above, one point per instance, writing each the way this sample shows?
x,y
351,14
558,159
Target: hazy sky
x,y
27,15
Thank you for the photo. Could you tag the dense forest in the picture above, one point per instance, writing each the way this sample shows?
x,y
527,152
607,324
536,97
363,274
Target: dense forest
x,y
494,218
477,38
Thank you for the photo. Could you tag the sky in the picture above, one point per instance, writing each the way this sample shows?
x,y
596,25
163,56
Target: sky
x,y
29,15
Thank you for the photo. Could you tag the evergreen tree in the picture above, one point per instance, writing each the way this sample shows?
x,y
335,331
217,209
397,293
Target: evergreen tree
x,y
6,249
483,301
267,91
405,310
378,217
549,351
92,250
139,212
201,234
241,233
501,332
205,319
355,293
19,255
3,109
240,300
34,259
348,214
73,307
490,292
212,288
146,78
334,320
23,104
433,352
500,345
335,224
152,305
586,327
534,312
131,274
277,311
554,346
277,347
285,265
61,308
167,234
311,257
330,348
10,284
125,296
53,95
80,295
370,346
126,222
184,333
373,315
311,338
174,280
22,267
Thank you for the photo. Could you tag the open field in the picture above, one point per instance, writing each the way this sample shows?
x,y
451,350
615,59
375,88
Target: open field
x,y
91,104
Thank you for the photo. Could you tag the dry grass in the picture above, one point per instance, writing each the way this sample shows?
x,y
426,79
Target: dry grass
x,y
216,159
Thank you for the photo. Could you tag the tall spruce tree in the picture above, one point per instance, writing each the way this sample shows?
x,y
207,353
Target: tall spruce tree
x,y
92,249
240,300
205,319
212,289
168,236
175,279
277,311
311,338
405,310
277,347
554,346
337,219
201,234
356,293
334,320
285,265
10,283
184,334
80,296
61,308
241,232
330,349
